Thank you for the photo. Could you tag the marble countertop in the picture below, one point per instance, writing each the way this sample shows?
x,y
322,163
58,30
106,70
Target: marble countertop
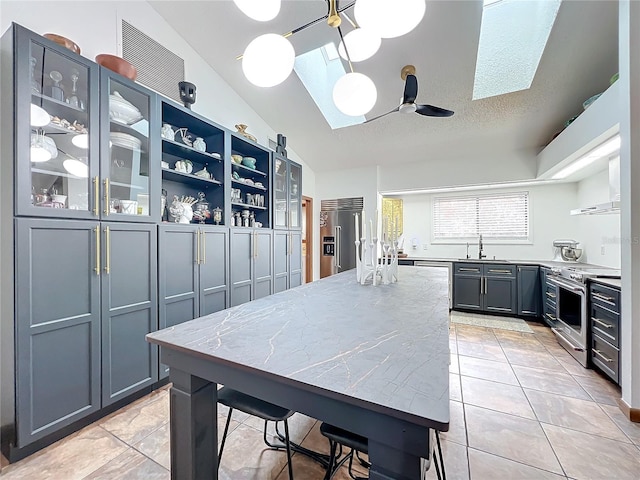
x,y
386,345
543,263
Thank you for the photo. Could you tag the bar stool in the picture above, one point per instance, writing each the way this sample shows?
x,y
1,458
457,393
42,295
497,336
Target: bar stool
x,y
357,443
258,408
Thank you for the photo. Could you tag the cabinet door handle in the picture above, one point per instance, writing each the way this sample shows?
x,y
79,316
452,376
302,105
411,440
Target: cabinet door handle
x,y
107,267
604,298
601,323
255,244
474,270
96,196
106,196
486,285
491,270
550,295
197,233
203,244
97,268
551,317
601,355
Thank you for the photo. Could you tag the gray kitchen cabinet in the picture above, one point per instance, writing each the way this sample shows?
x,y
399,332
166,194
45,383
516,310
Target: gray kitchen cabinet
x,y
251,265
485,287
604,314
193,273
57,325
287,260
528,290
129,308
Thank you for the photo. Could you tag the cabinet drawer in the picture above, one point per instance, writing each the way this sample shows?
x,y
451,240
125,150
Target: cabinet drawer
x,y
605,324
550,293
499,270
606,357
405,262
468,268
605,296
549,313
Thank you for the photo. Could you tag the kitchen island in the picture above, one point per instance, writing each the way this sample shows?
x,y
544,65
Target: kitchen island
x,y
373,360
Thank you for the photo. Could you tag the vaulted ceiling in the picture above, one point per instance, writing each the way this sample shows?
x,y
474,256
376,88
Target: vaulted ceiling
x,y
580,57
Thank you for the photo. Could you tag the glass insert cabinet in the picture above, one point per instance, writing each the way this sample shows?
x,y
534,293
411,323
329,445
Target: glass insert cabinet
x,y
287,187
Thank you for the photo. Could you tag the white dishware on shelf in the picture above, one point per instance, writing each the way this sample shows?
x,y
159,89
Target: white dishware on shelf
x,y
199,144
143,204
124,140
123,111
129,207
167,132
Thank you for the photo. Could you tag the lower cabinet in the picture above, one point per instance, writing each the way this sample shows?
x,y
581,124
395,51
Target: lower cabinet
x,y
251,264
604,314
528,290
485,287
193,273
85,299
287,260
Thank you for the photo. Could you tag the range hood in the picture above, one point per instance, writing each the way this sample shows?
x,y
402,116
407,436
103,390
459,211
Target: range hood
x,y
613,205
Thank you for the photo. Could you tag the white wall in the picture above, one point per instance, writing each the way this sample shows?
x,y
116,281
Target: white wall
x,y
598,231
550,220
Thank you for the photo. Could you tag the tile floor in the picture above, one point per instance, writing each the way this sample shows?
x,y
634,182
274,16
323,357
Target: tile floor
x,y
521,408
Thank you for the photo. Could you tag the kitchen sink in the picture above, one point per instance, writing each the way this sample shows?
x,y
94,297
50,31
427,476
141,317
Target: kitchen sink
x,y
484,260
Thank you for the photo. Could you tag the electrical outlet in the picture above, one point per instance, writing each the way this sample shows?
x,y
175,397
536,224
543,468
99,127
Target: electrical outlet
x,y
602,250
424,246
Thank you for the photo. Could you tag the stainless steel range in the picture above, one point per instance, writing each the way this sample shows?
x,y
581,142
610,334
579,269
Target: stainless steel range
x,y
571,308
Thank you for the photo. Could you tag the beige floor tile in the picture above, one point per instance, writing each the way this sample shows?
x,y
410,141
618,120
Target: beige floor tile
x,y
454,366
600,389
133,424
487,370
453,345
299,426
74,457
586,457
528,358
496,396
455,390
515,438
455,462
631,429
524,341
156,446
480,350
583,415
457,428
550,381
130,465
470,333
484,466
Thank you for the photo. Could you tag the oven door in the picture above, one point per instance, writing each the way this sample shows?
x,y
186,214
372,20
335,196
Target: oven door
x,y
571,329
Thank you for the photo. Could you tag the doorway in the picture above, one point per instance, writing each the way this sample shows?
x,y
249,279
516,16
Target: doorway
x,y
307,239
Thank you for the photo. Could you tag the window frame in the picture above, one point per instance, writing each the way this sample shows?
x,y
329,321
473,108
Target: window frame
x,y
486,240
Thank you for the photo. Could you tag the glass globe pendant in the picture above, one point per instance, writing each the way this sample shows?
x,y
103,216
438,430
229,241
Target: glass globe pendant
x,y
260,10
361,43
354,94
268,60
389,19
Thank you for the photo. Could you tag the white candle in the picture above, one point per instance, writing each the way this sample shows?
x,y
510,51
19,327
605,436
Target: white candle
x,y
376,224
371,230
357,228
364,225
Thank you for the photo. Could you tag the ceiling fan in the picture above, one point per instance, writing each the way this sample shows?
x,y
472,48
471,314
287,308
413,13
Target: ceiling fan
x,y
408,74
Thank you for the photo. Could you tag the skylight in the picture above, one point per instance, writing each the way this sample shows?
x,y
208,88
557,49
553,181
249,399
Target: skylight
x,y
513,36
319,70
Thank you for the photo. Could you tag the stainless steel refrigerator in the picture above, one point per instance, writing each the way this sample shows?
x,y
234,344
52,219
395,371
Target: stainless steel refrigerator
x,y
338,234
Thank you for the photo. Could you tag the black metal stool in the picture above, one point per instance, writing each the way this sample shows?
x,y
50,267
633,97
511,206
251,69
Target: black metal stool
x,y
258,408
339,437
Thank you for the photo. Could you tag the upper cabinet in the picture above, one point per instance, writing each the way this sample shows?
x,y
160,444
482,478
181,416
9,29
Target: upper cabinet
x,y
56,121
287,188
130,184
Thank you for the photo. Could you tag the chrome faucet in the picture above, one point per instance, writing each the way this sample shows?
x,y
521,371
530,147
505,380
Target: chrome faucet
x,y
481,254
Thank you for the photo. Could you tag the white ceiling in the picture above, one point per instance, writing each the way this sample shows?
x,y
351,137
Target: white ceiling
x,y
580,57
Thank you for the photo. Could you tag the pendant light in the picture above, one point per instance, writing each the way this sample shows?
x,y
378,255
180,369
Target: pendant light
x,y
362,44
268,60
354,94
389,19
259,10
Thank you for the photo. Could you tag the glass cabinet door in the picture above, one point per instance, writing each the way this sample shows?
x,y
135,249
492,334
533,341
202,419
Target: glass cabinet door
x,y
295,194
280,184
127,183
57,116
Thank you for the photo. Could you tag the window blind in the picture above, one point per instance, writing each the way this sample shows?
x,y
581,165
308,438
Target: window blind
x,y
495,216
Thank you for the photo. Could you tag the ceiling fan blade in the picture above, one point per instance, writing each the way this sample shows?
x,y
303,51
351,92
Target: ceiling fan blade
x,y
431,111
383,115
410,89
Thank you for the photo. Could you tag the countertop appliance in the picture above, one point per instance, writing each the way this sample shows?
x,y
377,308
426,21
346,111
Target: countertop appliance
x,y
572,319
338,234
566,251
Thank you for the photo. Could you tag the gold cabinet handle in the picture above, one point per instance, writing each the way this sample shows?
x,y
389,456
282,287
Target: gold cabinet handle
x,y
601,355
97,268
197,232
601,323
106,197
107,267
96,196
203,243
255,243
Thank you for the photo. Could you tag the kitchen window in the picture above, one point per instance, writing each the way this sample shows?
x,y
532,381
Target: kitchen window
x,y
499,217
